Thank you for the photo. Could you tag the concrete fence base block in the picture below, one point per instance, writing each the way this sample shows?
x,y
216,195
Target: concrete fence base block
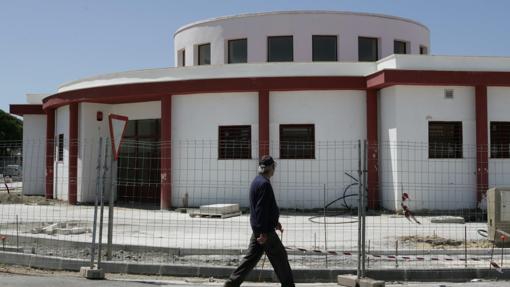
x,y
350,280
94,274
347,280
367,282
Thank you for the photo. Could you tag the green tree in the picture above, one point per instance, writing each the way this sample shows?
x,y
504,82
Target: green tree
x,y
11,130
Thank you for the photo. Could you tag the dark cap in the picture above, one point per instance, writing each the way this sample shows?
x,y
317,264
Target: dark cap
x,y
266,160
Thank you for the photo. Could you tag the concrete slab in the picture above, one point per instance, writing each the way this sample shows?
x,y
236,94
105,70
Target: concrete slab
x,y
347,280
448,219
219,208
350,280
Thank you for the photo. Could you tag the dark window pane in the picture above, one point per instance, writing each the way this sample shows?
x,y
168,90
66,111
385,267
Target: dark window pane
x,y
424,50
237,51
181,61
324,48
130,130
367,49
61,147
148,128
204,54
445,139
400,47
234,142
280,49
500,139
297,141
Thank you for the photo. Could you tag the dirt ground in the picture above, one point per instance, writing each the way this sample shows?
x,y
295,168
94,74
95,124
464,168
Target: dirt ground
x,y
437,242
15,197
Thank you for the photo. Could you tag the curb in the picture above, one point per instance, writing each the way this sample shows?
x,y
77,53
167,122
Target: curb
x,y
300,275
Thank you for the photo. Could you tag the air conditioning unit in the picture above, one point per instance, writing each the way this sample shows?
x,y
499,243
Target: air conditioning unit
x,y
498,214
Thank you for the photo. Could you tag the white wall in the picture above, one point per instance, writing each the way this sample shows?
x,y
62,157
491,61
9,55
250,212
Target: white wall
x,y
405,166
498,103
89,132
138,111
196,169
302,25
61,170
340,122
34,154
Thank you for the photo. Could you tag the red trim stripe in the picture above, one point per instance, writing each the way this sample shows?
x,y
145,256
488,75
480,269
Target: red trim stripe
x,y
22,110
50,151
73,154
387,78
141,92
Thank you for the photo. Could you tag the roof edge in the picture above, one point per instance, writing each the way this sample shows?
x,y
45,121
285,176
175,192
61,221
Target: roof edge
x,y
245,15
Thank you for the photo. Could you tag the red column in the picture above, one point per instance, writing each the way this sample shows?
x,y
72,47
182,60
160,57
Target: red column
x,y
263,123
372,150
166,152
50,151
482,149
73,153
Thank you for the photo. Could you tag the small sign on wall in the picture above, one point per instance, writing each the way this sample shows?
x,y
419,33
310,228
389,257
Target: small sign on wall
x,y
117,125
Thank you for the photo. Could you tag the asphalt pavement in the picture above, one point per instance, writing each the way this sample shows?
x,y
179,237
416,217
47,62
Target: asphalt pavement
x,y
27,280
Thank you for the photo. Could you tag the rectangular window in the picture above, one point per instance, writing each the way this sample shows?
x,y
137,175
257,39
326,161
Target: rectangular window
x,y
368,49
500,139
181,58
280,49
204,54
424,50
60,153
297,141
399,47
324,48
234,142
445,139
237,51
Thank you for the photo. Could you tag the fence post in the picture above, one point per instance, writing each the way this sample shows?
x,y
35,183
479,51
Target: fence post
x,y
325,228
360,204
98,185
105,169
363,184
113,192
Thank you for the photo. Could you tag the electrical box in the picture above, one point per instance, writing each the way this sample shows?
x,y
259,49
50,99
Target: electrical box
x,y
498,214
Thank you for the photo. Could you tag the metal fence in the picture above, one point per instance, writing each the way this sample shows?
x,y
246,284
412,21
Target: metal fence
x,y
427,215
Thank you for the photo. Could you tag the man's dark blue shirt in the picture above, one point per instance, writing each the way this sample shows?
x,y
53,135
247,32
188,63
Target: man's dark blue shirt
x,y
264,212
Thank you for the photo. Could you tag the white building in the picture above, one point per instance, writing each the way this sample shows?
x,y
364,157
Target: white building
x,y
304,86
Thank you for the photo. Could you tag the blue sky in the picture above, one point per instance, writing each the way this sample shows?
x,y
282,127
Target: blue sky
x,y
46,43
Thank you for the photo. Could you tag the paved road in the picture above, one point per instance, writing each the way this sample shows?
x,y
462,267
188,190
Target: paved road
x,y
22,280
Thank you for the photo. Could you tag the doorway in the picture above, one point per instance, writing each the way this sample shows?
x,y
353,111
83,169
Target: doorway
x,y
138,166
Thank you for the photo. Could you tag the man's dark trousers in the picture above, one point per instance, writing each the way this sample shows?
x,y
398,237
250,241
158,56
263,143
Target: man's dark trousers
x,y
276,254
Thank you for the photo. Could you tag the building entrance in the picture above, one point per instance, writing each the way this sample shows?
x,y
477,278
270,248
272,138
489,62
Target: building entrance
x,y
138,166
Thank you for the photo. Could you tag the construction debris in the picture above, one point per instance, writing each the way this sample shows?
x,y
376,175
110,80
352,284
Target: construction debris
x,y
217,211
63,228
447,219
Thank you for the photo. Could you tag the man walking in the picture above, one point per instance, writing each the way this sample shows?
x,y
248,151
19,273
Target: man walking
x,y
264,220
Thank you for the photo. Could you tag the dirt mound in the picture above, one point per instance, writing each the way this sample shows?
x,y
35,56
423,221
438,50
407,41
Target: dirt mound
x,y
437,242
